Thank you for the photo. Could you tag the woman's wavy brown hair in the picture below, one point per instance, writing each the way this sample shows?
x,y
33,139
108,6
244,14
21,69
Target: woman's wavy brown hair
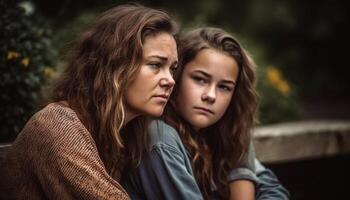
x,y
219,148
101,65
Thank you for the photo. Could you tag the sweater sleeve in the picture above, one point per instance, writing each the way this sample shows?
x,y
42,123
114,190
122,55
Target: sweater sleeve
x,y
164,173
64,159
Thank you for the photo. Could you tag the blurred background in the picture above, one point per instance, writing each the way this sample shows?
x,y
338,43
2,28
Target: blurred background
x,y
300,48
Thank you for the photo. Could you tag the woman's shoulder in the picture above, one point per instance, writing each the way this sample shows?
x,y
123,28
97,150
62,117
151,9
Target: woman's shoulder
x,y
162,133
54,125
52,117
56,111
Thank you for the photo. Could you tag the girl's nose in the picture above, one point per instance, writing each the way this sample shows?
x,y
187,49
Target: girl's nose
x,y
209,95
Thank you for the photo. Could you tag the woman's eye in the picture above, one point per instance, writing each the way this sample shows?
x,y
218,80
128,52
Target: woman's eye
x,y
155,65
173,70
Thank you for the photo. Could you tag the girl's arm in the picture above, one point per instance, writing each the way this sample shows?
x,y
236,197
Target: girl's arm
x,y
242,190
269,187
252,178
243,180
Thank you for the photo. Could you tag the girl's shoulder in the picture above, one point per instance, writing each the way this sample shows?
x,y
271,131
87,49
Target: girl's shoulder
x,y
162,133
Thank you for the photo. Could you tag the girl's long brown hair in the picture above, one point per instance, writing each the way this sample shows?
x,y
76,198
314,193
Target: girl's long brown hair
x,y
101,65
219,148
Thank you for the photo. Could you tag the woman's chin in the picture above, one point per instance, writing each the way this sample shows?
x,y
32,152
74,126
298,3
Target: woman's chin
x,y
157,112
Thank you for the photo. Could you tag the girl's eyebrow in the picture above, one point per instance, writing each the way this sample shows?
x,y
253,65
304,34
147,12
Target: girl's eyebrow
x,y
229,82
203,73
207,75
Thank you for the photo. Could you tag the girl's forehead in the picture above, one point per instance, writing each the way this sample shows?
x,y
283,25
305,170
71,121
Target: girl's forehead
x,y
213,63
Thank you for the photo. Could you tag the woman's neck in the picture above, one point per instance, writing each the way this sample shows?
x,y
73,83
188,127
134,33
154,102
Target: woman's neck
x,y
129,116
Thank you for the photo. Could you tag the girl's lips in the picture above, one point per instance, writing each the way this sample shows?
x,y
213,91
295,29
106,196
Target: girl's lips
x,y
204,109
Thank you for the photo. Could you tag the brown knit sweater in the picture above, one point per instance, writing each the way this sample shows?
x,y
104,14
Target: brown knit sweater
x,y
55,157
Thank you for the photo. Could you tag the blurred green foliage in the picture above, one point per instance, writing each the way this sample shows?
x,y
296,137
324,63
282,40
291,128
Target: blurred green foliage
x,y
278,99
305,39
296,45
26,60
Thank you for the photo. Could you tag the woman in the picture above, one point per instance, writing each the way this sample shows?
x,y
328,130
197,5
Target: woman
x,y
201,150
119,72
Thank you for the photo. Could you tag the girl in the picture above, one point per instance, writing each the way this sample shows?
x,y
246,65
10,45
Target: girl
x,y
119,72
200,151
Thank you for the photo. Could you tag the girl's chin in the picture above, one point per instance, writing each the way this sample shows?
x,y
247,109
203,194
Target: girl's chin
x,y
200,124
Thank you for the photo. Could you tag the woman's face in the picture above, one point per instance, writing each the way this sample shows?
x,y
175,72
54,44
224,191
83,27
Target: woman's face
x,y
206,88
150,90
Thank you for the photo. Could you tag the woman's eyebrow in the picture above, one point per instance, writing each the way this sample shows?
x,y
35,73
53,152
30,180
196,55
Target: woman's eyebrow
x,y
163,58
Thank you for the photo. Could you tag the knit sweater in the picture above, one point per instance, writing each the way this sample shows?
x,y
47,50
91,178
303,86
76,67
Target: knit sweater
x,y
55,157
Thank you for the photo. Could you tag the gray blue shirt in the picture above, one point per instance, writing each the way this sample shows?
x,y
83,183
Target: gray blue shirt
x,y
166,172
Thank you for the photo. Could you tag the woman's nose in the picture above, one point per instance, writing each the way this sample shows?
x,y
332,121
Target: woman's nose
x,y
167,80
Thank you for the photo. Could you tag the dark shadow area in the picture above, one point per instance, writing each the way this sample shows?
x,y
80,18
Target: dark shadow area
x,y
324,178
326,108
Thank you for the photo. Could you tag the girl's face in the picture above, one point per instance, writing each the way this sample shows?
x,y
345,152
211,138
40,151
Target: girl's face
x,y
150,90
206,88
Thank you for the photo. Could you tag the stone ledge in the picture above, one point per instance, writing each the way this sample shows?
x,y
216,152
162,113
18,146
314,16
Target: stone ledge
x,y
302,140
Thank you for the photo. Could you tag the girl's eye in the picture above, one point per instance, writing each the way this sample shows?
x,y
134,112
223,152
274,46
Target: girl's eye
x,y
199,80
225,88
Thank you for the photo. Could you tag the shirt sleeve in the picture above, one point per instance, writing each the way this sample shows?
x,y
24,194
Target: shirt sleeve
x,y
165,171
246,170
269,187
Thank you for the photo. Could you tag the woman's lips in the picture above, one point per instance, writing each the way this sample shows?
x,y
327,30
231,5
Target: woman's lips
x,y
162,97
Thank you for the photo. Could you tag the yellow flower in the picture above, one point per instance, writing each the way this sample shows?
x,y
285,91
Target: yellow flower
x,y
275,79
273,75
49,72
12,55
283,87
25,62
